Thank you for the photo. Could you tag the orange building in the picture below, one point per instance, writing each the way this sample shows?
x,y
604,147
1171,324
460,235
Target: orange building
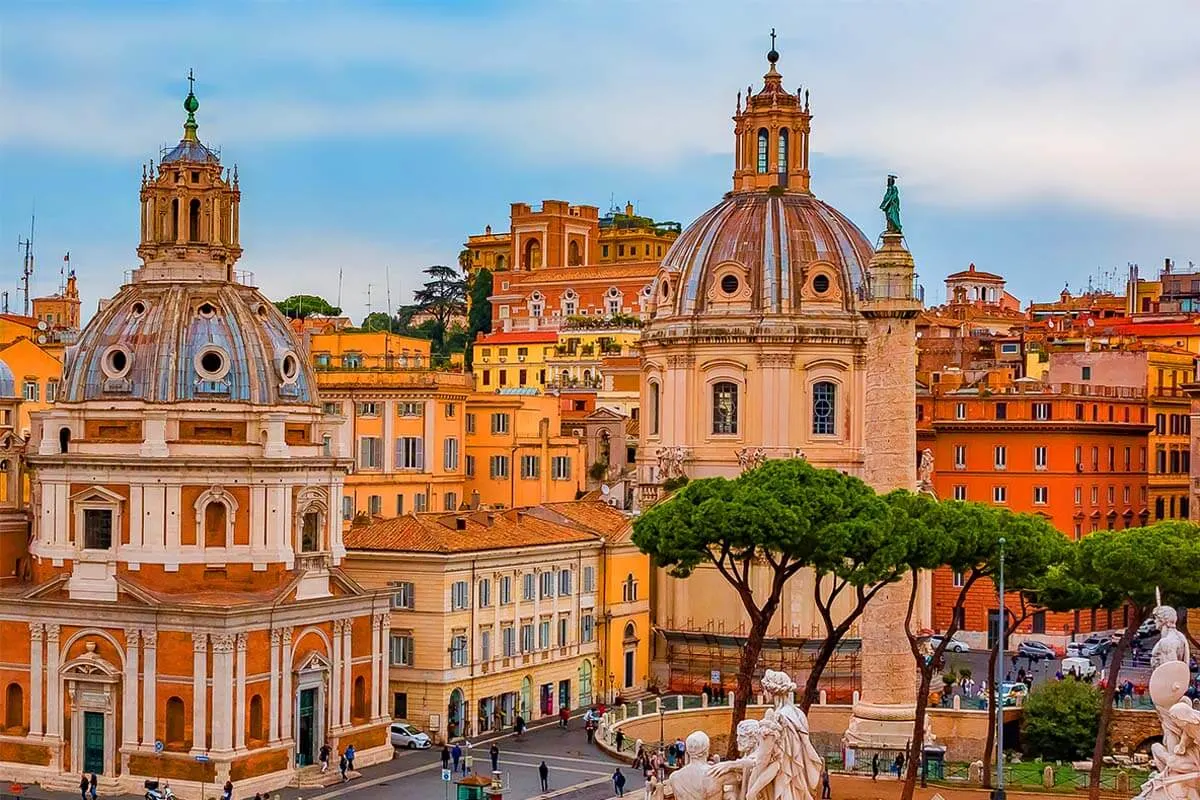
x,y
513,359
60,311
1073,453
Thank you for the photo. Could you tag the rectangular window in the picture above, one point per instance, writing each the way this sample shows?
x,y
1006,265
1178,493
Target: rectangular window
x,y
564,583
1041,495
725,408
459,598
1125,495
485,645
1039,622
960,456
587,628
505,590
370,452
508,636
547,589
410,453
1095,459
1112,459
527,638
560,468
1085,373
562,631
958,580
401,650
1078,495
527,586
333,409
531,466
1095,495
960,410
1001,457
347,507
402,594
399,505
368,409
458,651
451,410
410,409
469,466
589,579
1001,410
1010,348
485,593
1128,458
960,492
375,505
999,494
498,467
1112,494
487,377
450,501
1039,457
1041,411
51,390
97,529
470,423
544,634
420,503
450,454
499,423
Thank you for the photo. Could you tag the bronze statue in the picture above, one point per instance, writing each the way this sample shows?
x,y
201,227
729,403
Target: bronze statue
x,y
891,206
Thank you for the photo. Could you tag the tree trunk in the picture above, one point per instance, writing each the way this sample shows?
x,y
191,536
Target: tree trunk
x,y
1110,689
745,681
824,654
916,746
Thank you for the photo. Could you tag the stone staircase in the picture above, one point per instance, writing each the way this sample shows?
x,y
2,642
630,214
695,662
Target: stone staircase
x,y
311,777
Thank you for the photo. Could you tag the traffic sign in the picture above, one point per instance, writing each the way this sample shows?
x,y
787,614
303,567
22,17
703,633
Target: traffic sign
x,y
446,775
202,757
158,745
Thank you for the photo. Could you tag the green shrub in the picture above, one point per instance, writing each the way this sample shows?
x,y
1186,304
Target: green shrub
x,y
1061,721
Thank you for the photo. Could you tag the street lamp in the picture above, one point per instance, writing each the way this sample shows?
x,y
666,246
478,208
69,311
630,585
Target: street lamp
x,y
998,794
662,717
612,688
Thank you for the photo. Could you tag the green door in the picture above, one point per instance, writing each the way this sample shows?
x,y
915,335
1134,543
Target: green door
x,y
93,742
308,727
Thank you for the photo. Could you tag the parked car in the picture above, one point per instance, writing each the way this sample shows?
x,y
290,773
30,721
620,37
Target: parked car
x,y
1035,650
1147,629
1094,645
408,736
1081,668
1074,650
1013,694
955,646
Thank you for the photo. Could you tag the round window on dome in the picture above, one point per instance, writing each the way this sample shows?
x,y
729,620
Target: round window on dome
x,y
820,284
729,284
289,368
138,308
116,362
212,364
262,309
207,310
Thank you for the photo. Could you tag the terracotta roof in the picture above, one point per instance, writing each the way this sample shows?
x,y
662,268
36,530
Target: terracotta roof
x,y
971,272
595,515
481,530
632,428
20,319
517,337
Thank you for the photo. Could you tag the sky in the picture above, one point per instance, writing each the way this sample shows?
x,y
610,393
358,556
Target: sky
x,y
1049,142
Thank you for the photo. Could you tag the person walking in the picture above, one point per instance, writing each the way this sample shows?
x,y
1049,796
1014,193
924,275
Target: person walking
x,y
92,781
494,752
445,757
620,739
84,783
350,758
456,755
619,782
227,792
563,717
342,764
826,792
519,726
875,767
544,774
899,764
324,757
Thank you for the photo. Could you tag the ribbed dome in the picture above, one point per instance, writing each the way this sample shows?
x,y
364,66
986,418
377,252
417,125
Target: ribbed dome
x,y
8,383
776,241
165,342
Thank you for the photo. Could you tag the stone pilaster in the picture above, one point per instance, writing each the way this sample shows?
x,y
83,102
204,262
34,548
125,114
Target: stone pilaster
x,y
149,684
222,691
287,700
384,688
37,633
239,702
275,701
376,673
347,667
336,669
129,689
199,692
54,687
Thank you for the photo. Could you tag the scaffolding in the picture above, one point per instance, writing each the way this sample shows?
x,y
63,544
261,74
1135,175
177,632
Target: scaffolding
x,y
692,658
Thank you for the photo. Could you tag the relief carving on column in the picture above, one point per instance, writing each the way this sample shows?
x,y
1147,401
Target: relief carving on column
x,y
36,631
287,636
276,635
200,642
150,638
382,621
241,642
223,642
339,625
52,631
132,637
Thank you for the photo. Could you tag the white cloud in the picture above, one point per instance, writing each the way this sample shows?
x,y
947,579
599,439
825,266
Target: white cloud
x,y
972,104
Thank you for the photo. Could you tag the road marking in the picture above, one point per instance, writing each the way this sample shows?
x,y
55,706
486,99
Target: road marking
x,y
556,769
575,787
523,754
356,785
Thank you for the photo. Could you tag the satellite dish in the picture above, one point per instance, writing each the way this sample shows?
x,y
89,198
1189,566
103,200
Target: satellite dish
x,y
41,326
1050,324
41,339
1091,322
604,490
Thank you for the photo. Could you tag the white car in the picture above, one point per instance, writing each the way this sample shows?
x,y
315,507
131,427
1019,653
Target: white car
x,y
1081,668
408,736
955,646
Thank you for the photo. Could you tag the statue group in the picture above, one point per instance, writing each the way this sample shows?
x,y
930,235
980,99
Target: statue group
x,y
1176,760
777,760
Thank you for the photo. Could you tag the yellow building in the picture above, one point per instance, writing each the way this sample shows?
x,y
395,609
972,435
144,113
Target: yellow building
x,y
513,359
516,456
583,345
60,311
494,614
1168,369
402,422
37,374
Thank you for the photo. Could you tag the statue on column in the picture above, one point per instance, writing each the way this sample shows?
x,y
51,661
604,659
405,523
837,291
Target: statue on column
x,y
891,206
1176,760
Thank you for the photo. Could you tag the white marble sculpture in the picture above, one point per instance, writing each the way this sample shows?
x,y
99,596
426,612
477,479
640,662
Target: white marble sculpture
x,y
1176,774
925,471
778,761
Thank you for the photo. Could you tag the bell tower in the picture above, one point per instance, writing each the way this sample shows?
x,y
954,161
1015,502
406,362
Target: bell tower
x,y
189,211
771,135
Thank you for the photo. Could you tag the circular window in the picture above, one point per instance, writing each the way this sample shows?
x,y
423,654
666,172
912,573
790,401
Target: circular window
x,y
212,364
262,309
820,284
139,308
207,310
289,366
116,361
729,284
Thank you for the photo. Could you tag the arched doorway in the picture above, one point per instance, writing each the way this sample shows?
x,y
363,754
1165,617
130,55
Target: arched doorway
x,y
456,712
629,643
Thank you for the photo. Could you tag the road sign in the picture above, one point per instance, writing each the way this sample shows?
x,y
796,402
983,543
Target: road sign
x,y
158,746
446,775
202,757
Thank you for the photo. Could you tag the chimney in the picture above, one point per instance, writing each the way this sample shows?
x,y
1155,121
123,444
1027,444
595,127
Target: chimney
x,y
628,209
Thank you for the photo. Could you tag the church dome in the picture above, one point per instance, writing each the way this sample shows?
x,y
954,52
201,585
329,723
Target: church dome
x,y
165,342
764,252
8,383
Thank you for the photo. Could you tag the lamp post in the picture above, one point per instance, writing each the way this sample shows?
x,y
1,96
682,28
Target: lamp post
x,y
662,718
998,794
612,688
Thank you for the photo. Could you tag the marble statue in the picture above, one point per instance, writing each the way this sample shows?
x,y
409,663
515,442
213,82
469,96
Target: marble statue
x,y
749,458
1172,645
891,206
1176,760
670,461
925,471
695,780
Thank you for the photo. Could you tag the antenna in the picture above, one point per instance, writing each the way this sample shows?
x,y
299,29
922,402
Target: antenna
x,y
62,274
27,260
339,296
387,341
368,302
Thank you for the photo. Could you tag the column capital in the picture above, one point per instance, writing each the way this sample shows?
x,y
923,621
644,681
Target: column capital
x,y
376,621
200,642
276,635
149,638
223,642
133,637
36,631
241,642
52,631
287,636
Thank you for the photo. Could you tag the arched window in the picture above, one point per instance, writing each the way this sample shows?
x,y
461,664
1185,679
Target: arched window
x,y
824,408
629,589
762,151
630,632
605,447
533,254
174,224
174,721
310,532
64,439
194,221
654,408
256,719
724,407
574,258
216,524
499,262
358,709
14,707
782,166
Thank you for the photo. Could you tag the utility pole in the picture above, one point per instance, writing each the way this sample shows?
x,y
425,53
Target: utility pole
x,y
26,261
998,794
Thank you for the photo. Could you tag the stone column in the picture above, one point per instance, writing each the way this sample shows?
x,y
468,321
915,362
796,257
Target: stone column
x,y
347,667
129,689
199,692
37,632
222,692
376,626
336,693
384,690
53,684
286,701
239,702
274,710
149,684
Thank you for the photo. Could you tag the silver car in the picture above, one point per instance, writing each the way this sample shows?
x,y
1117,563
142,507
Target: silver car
x,y
407,736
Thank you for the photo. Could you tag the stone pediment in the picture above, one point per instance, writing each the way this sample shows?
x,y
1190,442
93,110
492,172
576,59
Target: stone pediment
x,y
604,415
314,663
97,493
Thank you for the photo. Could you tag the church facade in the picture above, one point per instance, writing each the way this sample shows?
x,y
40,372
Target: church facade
x,y
184,615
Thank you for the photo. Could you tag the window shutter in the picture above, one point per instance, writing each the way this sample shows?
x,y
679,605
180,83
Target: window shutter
x,y
400,453
420,453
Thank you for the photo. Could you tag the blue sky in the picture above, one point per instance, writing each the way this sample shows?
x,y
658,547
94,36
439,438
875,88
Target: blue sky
x,y
1046,141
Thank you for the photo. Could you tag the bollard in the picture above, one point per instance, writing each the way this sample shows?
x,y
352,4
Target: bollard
x,y
640,712
704,701
957,704
1048,777
822,698
854,697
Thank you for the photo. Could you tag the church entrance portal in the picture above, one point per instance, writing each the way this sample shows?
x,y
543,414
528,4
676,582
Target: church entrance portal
x,y
307,721
93,742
